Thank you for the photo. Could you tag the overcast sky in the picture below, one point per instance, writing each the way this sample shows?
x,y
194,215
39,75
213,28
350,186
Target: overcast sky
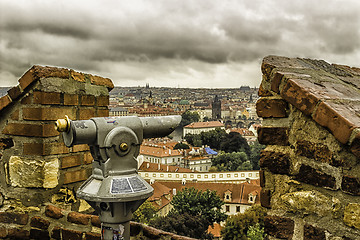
x,y
183,43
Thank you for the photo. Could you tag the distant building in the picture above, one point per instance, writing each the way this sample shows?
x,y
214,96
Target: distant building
x,y
118,111
198,127
160,154
216,108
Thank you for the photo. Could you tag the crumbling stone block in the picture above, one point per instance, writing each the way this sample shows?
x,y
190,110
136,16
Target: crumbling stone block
x,y
352,215
276,162
279,227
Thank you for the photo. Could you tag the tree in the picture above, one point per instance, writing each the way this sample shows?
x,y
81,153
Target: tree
x,y
255,154
189,117
237,226
145,213
234,142
181,146
234,161
193,139
206,119
192,214
255,232
213,138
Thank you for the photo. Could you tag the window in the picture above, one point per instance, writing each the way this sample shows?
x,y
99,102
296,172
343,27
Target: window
x,y
237,208
227,207
236,175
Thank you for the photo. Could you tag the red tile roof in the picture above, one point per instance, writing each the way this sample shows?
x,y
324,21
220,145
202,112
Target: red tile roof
x,y
205,124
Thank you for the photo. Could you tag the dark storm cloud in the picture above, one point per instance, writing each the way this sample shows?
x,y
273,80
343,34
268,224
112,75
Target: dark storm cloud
x,y
87,35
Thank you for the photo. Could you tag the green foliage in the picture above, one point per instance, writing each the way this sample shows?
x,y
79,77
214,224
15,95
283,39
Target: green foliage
x,y
237,226
189,117
145,213
234,142
255,154
192,214
213,138
181,146
206,119
256,232
234,161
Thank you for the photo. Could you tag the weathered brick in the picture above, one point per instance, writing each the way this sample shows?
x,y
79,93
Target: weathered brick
x,y
31,130
92,236
3,232
80,148
48,114
39,234
71,99
53,212
279,227
51,148
6,143
86,113
270,107
77,76
51,72
4,101
276,162
355,146
88,159
351,185
27,99
102,101
75,176
273,135
16,233
95,221
317,151
87,100
70,161
39,222
96,80
315,177
56,233
68,234
297,93
262,178
52,98
337,118
135,228
265,196
15,115
352,215
313,233
15,92
78,218
33,148
102,112
28,78
262,92
11,217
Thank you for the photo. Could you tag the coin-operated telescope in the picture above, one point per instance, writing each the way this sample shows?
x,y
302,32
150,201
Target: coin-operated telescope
x,y
114,189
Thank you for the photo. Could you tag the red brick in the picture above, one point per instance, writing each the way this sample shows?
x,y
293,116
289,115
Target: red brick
x,y
47,114
313,233
279,227
102,112
39,222
77,76
315,177
88,159
70,99
92,236
75,176
15,92
316,151
15,115
53,212
80,148
70,161
28,78
16,233
27,99
55,148
4,101
31,130
339,118
86,113
51,72
262,178
68,234
95,221
270,107
276,162
33,149
87,100
39,234
102,101
273,135
78,218
51,148
11,217
47,98
355,146
351,185
298,93
56,233
96,80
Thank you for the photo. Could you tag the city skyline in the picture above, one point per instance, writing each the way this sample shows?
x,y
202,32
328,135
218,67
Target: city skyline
x,y
186,44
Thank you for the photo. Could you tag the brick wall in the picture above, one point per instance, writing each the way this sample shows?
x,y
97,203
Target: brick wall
x,y
311,166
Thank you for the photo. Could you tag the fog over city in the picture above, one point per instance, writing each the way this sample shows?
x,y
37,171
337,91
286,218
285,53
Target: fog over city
x,y
197,44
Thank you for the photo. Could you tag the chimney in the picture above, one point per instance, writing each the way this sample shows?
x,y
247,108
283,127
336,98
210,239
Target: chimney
x,y
183,182
159,166
147,165
167,168
174,191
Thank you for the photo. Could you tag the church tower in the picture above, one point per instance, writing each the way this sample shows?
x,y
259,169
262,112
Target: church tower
x,y
216,108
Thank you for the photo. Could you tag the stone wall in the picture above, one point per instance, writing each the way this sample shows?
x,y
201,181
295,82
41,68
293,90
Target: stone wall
x,y
311,166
